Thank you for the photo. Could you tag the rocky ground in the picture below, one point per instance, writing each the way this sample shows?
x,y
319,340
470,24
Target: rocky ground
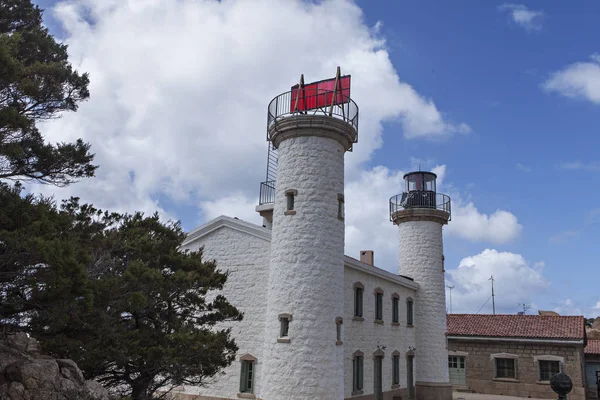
x,y
25,374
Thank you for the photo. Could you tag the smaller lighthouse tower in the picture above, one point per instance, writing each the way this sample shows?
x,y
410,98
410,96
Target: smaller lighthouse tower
x,y
420,213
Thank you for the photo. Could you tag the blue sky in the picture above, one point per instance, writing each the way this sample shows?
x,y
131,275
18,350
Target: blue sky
x,y
480,66
520,76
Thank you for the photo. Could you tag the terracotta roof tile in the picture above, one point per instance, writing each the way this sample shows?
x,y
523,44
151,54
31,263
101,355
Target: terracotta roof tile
x,y
593,347
518,326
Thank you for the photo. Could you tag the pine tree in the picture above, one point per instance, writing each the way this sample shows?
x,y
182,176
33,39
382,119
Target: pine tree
x,y
37,83
114,293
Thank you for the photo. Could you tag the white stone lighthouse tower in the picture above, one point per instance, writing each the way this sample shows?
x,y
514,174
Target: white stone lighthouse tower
x,y
302,360
420,213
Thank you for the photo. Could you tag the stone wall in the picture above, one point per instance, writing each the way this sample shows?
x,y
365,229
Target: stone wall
x,y
480,367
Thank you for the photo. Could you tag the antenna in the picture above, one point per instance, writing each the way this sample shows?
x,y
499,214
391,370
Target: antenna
x,y
525,308
450,287
493,297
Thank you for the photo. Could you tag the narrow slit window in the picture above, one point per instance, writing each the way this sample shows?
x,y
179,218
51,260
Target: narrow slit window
x,y
290,201
338,330
358,302
409,312
395,313
341,206
285,327
379,306
396,370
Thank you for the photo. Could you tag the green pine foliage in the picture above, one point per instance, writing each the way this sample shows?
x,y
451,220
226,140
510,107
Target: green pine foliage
x,y
114,293
37,83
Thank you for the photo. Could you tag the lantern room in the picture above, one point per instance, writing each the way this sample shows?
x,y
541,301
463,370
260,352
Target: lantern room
x,y
420,181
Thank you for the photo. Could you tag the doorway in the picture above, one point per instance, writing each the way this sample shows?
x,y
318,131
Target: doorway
x,y
410,384
378,385
457,370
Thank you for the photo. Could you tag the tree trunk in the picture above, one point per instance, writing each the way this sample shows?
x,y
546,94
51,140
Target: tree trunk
x,y
140,389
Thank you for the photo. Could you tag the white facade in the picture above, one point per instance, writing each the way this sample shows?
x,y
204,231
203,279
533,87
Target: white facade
x,y
243,249
367,335
421,258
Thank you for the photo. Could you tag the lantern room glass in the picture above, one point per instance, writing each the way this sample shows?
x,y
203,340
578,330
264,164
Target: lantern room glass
x,y
420,182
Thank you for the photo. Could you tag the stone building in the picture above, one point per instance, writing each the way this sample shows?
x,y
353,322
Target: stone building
x,y
516,355
319,324
592,369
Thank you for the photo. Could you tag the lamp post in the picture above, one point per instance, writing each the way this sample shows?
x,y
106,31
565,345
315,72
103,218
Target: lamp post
x,y
561,384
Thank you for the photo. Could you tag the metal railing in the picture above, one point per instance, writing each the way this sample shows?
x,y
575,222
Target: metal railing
x,y
419,199
287,105
267,193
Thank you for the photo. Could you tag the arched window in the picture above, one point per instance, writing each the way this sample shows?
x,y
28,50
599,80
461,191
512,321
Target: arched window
x,y
247,372
378,305
357,372
395,309
359,289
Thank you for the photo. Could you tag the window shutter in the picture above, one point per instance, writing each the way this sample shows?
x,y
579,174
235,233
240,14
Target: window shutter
x,y
244,377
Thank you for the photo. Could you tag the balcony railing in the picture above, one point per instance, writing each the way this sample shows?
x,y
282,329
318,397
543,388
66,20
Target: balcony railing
x,y
419,199
314,102
267,193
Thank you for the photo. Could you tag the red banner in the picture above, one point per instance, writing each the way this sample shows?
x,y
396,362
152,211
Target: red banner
x,y
320,94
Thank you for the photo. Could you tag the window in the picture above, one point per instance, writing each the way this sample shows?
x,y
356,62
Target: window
x,y
506,368
548,369
338,331
285,327
357,373
340,206
396,369
378,304
409,311
358,299
248,363
290,195
395,310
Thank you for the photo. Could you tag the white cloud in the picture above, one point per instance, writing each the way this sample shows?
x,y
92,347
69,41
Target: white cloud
x,y
578,80
469,223
597,306
179,92
563,237
531,20
516,281
568,307
524,168
368,226
237,206
592,166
